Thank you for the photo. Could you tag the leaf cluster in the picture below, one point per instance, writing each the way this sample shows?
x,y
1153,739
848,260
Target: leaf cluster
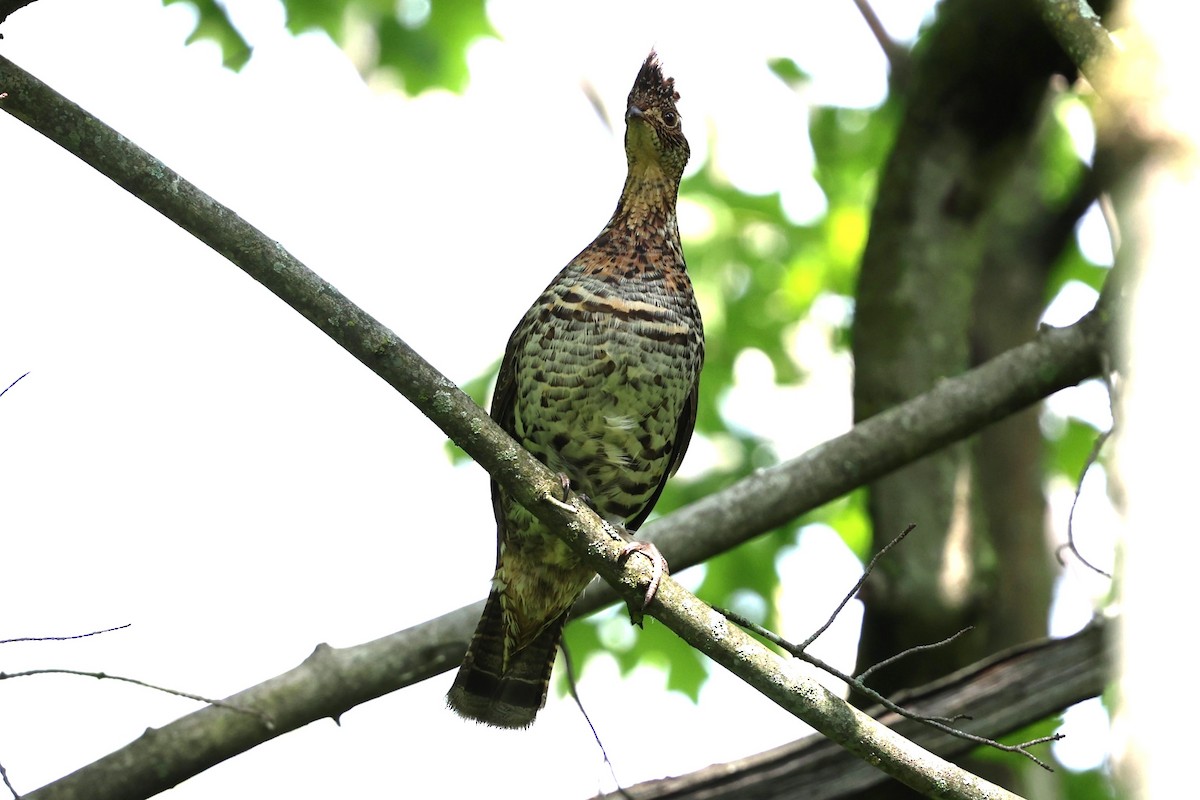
x,y
423,44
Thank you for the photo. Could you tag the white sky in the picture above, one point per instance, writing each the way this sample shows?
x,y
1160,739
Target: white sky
x,y
190,456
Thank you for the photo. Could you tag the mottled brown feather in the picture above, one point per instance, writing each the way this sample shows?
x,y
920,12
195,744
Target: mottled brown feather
x,y
598,382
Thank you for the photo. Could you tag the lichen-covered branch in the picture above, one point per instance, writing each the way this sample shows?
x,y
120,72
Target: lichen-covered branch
x,y
1078,29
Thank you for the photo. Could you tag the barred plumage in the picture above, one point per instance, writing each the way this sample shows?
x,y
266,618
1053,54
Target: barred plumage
x,y
598,382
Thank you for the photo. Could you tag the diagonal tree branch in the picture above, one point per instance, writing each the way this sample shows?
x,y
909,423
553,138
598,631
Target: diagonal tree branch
x,y
1002,694
326,684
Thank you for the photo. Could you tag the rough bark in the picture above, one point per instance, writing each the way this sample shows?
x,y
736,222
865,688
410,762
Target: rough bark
x,y
972,112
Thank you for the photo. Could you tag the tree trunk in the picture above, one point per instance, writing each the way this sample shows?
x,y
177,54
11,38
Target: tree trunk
x,y
954,272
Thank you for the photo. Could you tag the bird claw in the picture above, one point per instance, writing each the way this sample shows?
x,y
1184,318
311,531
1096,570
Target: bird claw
x,y
565,483
657,562
659,568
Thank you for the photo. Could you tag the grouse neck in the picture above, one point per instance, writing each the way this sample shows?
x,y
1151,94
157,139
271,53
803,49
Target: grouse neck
x,y
647,204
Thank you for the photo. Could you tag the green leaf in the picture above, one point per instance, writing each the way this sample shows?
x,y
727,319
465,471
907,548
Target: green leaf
x,y
317,15
848,516
1092,784
1069,447
850,146
1072,266
432,54
789,72
747,576
425,43
1061,169
654,645
213,24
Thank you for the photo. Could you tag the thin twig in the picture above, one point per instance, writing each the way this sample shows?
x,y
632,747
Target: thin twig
x,y
1109,214
940,723
18,380
4,772
798,652
919,648
896,55
850,595
573,688
858,683
261,715
64,638
1070,545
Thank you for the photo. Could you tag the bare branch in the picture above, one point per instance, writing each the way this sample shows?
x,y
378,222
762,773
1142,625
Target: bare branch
x,y
1097,446
857,585
263,717
919,648
896,55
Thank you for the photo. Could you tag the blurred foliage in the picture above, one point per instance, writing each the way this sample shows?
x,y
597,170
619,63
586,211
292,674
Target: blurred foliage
x,y
1072,266
1070,444
1060,170
1092,784
1038,730
432,53
848,516
424,43
213,24
789,72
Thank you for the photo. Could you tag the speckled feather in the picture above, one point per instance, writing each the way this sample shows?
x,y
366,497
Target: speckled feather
x,y
599,383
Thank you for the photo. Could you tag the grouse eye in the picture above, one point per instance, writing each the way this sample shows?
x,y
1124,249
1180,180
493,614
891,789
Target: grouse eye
x,y
670,118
